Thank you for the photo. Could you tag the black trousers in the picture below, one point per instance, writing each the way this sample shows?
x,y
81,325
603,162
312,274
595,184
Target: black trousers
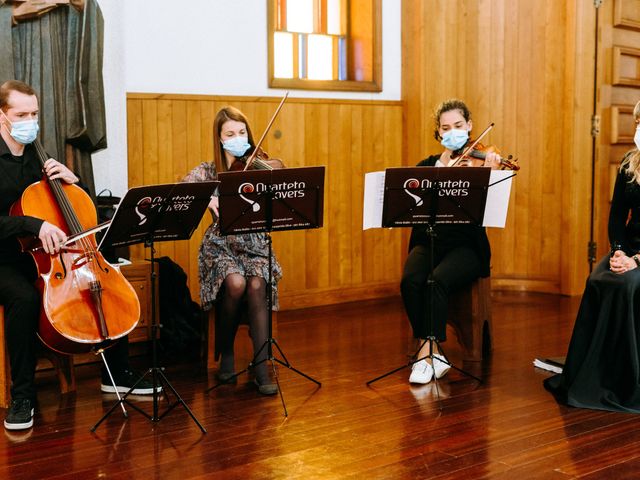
x,y
21,302
453,270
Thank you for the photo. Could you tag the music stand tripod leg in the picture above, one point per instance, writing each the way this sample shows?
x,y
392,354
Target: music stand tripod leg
x,y
414,359
154,370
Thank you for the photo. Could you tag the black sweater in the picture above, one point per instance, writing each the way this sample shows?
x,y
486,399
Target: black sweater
x,y
624,215
16,174
449,237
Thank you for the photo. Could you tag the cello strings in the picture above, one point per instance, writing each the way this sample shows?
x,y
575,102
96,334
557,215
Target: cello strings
x,y
63,202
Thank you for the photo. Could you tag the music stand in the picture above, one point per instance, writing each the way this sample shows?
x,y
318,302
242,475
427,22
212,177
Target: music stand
x,y
263,201
146,215
430,196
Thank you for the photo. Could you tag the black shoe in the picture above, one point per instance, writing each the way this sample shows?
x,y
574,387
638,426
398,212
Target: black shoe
x,y
126,380
266,388
230,378
20,415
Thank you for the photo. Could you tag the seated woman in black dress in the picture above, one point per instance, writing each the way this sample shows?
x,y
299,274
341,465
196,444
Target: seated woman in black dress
x,y
461,252
602,369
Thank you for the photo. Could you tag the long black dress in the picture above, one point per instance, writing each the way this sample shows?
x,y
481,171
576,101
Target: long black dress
x,y
602,369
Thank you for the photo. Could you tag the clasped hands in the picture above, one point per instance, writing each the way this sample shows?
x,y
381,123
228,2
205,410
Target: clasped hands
x,y
620,263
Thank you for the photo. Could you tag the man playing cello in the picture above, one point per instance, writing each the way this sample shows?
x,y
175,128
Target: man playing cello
x,y
20,167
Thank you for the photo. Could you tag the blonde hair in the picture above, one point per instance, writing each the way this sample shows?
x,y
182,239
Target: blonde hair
x,y
631,163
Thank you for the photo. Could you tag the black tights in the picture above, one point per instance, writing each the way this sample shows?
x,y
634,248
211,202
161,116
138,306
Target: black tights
x,y
235,289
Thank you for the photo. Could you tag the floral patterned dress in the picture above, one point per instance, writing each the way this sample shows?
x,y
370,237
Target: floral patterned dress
x,y
219,256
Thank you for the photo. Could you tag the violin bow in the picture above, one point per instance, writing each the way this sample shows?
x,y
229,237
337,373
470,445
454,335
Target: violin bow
x,y
453,163
252,157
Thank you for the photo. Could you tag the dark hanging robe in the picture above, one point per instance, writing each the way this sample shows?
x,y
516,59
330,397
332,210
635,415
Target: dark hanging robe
x,y
60,55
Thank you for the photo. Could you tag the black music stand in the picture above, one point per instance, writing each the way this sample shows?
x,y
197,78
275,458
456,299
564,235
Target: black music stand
x,y
428,196
147,215
263,201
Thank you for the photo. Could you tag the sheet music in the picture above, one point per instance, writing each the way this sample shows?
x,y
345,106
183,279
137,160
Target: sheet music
x,y
495,212
373,198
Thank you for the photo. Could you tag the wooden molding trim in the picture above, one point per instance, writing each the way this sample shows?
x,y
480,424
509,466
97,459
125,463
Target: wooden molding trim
x,y
274,99
333,295
621,116
525,285
622,21
618,56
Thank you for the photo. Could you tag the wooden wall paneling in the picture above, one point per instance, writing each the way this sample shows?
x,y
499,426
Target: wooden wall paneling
x,y
135,164
626,66
172,134
622,124
165,160
290,245
393,256
355,189
503,92
372,162
504,61
548,143
134,143
626,14
576,188
528,197
340,149
315,154
375,136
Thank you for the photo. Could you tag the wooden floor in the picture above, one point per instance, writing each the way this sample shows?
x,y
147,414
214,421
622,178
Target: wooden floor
x,y
508,427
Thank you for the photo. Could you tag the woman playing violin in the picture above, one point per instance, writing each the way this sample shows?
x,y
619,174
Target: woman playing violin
x,y
233,269
461,252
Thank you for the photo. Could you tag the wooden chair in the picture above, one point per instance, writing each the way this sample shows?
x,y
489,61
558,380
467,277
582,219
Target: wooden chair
x,y
470,316
62,363
243,347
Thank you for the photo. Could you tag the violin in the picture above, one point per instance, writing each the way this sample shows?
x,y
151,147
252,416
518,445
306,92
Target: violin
x,y
477,155
86,301
261,161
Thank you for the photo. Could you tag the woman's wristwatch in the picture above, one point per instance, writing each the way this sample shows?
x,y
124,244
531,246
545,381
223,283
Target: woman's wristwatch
x,y
636,259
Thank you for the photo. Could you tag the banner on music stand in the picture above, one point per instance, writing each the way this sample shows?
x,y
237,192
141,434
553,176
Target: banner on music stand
x,y
271,200
158,212
404,196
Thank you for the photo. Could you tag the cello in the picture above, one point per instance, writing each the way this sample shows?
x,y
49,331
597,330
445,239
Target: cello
x,y
86,301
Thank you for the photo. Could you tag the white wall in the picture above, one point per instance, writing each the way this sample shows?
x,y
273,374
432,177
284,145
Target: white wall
x,y
110,164
212,47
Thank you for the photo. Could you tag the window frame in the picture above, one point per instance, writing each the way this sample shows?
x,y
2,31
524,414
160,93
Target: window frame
x,y
374,85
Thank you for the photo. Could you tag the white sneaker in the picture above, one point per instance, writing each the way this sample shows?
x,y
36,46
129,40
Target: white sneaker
x,y
421,372
440,368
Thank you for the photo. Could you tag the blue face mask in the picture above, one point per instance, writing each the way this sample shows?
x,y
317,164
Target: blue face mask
x,y
236,146
454,139
23,132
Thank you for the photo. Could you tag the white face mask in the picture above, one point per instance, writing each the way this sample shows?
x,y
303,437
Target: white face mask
x,y
636,138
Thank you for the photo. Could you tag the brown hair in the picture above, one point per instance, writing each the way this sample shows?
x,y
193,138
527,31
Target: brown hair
x,y
224,115
13,86
447,106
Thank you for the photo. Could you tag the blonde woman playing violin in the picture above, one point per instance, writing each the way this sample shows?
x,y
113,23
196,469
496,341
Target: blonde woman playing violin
x,y
461,252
